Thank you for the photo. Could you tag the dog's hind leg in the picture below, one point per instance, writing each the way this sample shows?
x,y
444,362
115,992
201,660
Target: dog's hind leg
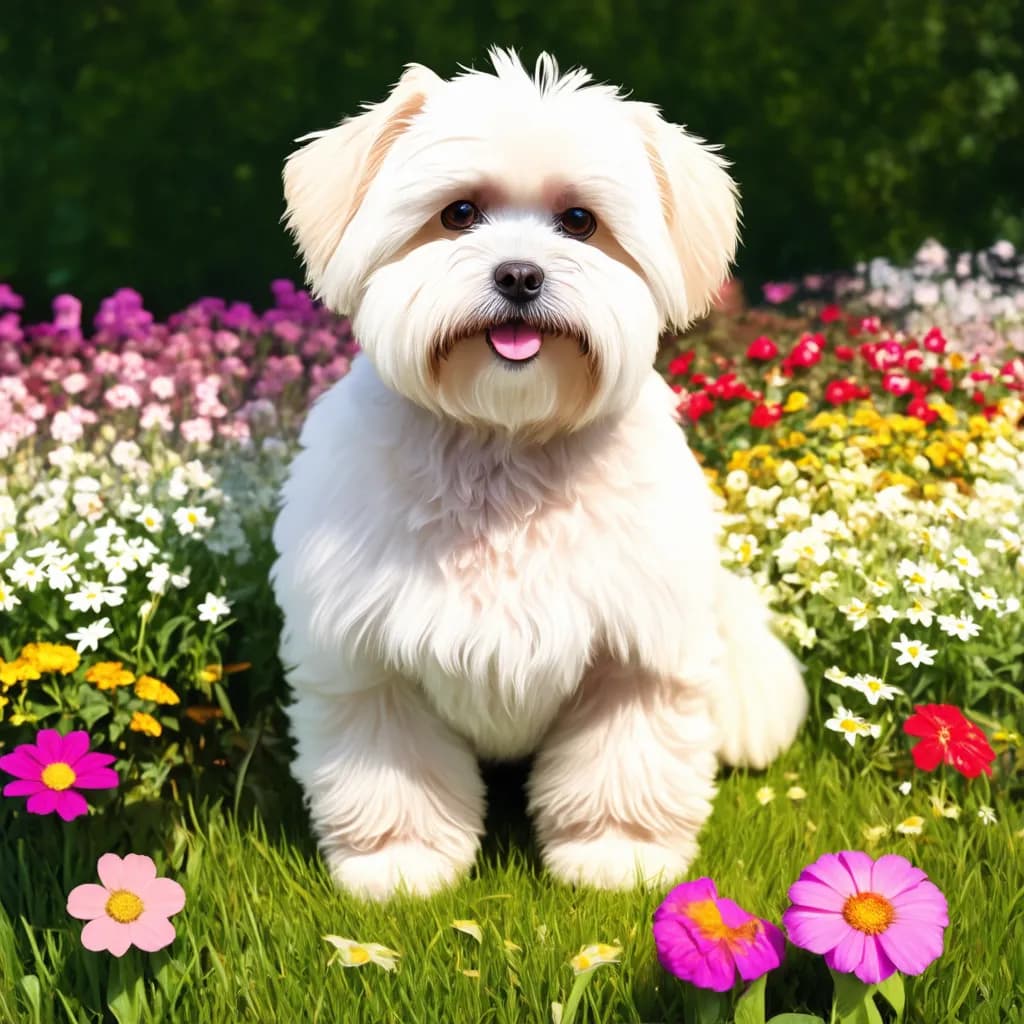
x,y
759,699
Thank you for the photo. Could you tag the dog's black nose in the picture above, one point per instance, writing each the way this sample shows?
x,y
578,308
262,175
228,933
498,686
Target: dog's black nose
x,y
520,282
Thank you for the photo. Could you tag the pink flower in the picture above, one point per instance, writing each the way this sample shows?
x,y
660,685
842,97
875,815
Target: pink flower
x,y
130,908
870,918
776,292
197,431
122,396
705,939
50,770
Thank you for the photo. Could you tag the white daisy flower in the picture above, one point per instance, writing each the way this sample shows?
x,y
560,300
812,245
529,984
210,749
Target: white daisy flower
x,y
1010,607
743,548
920,613
88,637
8,599
151,519
350,953
26,574
826,582
91,598
594,955
913,652
887,613
905,787
857,612
874,688
213,608
984,597
963,627
987,815
61,575
965,561
912,826
191,519
851,726
917,577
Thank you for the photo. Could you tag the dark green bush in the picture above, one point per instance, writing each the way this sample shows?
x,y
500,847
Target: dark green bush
x,y
141,143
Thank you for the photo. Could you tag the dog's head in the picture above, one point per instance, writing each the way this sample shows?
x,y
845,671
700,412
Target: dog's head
x,y
510,247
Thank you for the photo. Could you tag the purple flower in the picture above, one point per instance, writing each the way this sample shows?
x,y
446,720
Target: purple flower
x,y
705,939
869,917
50,771
9,298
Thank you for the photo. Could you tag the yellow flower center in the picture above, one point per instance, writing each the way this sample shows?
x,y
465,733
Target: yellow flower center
x,y
58,776
124,906
868,912
873,686
849,725
913,650
358,955
708,918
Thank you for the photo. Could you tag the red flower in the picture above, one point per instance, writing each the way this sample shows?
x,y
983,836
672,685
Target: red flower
x,y
845,353
830,314
947,737
697,405
897,384
839,392
934,341
762,348
920,409
681,364
766,414
941,379
806,352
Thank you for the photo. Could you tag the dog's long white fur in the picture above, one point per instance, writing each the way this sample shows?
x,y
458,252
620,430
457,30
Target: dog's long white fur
x,y
463,570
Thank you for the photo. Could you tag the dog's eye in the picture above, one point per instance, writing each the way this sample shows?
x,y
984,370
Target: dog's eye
x,y
576,222
460,215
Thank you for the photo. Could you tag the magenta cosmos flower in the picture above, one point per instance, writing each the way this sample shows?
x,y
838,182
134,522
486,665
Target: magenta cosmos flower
x,y
50,771
869,917
705,939
130,908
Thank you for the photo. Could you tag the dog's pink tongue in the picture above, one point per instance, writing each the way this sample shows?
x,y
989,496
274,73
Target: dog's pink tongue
x,y
516,341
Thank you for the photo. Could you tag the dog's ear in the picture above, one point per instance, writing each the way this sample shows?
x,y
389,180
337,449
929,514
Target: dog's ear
x,y
700,204
326,180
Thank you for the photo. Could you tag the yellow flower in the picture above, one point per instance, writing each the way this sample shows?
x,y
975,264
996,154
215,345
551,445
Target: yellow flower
x,y
150,688
141,722
872,833
956,361
593,956
109,675
808,461
912,826
765,795
51,657
796,793
21,670
795,401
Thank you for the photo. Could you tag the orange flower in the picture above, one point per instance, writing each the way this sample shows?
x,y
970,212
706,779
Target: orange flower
x,y
109,675
141,722
151,688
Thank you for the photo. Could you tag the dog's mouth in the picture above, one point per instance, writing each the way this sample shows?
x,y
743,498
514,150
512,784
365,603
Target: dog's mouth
x,y
515,341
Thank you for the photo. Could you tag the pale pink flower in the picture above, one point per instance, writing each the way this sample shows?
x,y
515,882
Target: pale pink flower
x,y
75,383
131,907
197,431
122,396
156,415
162,387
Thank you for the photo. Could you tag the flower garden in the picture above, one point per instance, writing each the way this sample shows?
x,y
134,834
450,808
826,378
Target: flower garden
x,y
865,436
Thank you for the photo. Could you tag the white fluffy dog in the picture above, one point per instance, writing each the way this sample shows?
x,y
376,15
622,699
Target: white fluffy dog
x,y
495,541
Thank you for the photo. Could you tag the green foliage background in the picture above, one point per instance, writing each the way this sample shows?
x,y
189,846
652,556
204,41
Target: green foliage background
x,y
141,142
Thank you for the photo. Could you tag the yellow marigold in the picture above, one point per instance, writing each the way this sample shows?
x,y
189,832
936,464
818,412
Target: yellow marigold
x,y
956,361
834,422
808,461
867,417
794,439
51,657
739,460
937,453
151,688
108,675
141,722
978,426
946,412
795,401
21,670
906,424
891,478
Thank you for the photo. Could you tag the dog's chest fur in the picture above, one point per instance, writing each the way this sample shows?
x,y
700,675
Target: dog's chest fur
x,y
492,576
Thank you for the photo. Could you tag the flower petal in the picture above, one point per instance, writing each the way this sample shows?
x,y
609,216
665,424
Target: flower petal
x,y
162,896
74,745
111,871
875,965
689,892
816,930
859,865
43,802
151,931
763,954
88,901
893,874
21,763
71,805
911,945
924,903
816,895
927,755
23,787
137,871
98,778
831,871
849,953
91,761
50,744
104,933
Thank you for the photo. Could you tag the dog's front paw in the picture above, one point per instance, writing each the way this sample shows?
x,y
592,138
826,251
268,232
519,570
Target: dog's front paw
x,y
614,861
412,867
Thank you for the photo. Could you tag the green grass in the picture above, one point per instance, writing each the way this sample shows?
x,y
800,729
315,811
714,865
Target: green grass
x,y
249,944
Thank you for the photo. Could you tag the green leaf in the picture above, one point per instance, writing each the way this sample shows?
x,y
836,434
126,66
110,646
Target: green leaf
x,y
711,1007
854,1002
795,1018
750,1005
892,991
